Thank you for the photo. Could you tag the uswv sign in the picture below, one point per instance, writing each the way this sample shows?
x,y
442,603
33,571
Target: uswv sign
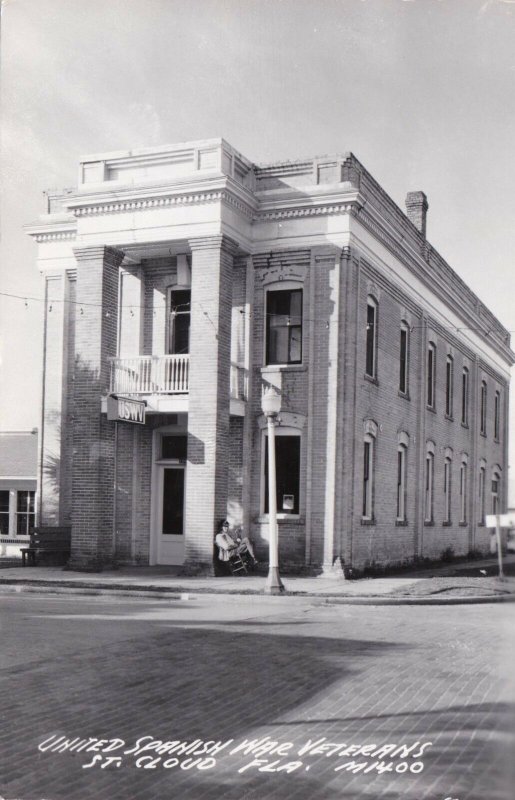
x,y
124,409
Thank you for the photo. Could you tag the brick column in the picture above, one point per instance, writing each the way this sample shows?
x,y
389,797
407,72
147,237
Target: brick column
x,y
209,399
93,435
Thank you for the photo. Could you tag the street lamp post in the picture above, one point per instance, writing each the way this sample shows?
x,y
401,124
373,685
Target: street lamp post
x,y
271,405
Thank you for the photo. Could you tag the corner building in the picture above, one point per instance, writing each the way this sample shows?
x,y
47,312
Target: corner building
x,y
191,278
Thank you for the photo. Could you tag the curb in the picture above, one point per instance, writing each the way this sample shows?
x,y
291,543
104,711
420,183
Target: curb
x,y
184,594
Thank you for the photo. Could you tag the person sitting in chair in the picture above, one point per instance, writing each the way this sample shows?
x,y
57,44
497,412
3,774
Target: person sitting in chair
x,y
228,547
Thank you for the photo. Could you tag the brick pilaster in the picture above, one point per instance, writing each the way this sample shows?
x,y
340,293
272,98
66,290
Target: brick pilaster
x,y
209,396
93,435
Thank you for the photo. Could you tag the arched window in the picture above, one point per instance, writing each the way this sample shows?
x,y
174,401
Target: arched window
x,y
497,415
429,482
496,491
465,396
431,375
371,338
447,487
402,453
463,488
482,411
404,358
449,386
369,445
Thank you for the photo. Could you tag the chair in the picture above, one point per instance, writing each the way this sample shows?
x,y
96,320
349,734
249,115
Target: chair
x,y
237,565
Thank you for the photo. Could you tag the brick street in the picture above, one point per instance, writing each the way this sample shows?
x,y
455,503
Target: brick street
x,y
293,669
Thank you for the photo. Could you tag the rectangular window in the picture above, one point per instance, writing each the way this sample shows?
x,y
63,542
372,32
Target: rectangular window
x,y
401,483
447,490
368,467
463,493
465,397
482,413
180,315
284,326
174,447
403,360
495,496
287,470
371,355
4,513
497,416
25,513
428,505
431,368
449,380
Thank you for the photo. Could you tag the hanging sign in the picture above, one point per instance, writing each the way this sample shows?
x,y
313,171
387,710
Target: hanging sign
x,y
125,409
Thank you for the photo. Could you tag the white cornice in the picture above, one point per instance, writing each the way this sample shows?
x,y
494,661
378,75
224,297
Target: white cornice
x,y
52,231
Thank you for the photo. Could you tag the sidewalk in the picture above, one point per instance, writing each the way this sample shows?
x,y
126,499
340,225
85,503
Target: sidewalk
x,y
460,582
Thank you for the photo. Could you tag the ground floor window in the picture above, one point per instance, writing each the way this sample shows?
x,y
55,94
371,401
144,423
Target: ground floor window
x,y
287,468
429,479
25,513
4,513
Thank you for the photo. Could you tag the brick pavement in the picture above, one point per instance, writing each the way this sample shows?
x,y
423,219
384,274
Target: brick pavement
x,y
294,671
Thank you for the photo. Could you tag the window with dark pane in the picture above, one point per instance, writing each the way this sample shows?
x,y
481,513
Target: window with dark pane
x,y
284,326
174,447
4,513
180,315
287,469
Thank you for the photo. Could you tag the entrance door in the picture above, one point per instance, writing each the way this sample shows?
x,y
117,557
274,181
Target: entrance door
x,y
170,539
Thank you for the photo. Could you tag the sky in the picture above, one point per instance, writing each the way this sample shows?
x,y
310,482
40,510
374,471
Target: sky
x,y
421,91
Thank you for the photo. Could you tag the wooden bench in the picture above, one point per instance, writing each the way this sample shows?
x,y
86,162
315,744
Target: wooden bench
x,y
47,540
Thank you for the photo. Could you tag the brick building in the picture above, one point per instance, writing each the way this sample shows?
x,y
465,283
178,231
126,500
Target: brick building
x,y
191,278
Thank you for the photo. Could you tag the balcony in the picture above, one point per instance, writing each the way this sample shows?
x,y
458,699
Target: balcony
x,y
167,379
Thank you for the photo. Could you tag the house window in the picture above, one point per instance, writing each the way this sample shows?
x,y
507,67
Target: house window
x,y
287,470
428,500
497,415
482,473
495,493
179,321
447,490
431,374
4,513
404,358
25,513
284,326
449,380
482,413
401,482
463,492
465,396
371,339
368,477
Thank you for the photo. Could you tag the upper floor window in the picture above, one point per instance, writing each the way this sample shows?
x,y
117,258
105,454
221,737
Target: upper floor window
x,y
284,326
179,321
404,359
482,411
465,396
431,375
371,339
449,381
497,415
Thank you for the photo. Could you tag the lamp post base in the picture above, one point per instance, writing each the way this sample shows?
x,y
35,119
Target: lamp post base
x,y
273,584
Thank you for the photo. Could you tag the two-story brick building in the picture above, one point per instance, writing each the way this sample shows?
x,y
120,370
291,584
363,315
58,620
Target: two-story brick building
x,y
191,278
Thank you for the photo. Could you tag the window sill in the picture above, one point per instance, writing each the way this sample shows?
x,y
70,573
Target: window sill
x,y
482,434
401,523
449,417
370,379
432,409
465,425
464,524
429,523
366,521
405,395
296,519
447,523
480,524
497,440
283,368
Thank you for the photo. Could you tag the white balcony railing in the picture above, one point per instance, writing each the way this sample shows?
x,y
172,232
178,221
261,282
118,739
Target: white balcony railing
x,y
164,375
150,374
